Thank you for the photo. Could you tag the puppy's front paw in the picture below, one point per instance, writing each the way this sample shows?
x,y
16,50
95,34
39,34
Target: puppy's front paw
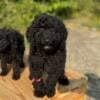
x,y
39,93
50,92
16,76
3,72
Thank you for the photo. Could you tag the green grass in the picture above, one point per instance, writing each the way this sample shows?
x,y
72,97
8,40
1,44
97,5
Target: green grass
x,y
18,14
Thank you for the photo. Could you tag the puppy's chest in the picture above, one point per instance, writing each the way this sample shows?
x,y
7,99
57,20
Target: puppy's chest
x,y
7,56
48,61
48,58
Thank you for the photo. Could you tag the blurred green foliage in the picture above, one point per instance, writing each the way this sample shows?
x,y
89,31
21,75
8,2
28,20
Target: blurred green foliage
x,y
19,13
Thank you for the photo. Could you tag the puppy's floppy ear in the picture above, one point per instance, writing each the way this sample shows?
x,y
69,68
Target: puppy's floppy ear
x,y
3,44
64,32
31,31
35,26
15,39
64,39
13,42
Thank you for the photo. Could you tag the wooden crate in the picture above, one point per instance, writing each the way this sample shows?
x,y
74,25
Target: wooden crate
x,y
22,89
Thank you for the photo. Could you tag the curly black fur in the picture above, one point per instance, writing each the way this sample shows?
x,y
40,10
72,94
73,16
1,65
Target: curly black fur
x,y
47,37
11,51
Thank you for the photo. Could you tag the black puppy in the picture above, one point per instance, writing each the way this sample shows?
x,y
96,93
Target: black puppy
x,y
47,37
11,51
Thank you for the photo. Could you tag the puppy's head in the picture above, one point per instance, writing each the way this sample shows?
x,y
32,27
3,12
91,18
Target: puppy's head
x,y
4,43
47,40
47,33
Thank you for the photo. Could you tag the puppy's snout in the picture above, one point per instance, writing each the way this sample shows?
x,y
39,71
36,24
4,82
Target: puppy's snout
x,y
47,41
47,48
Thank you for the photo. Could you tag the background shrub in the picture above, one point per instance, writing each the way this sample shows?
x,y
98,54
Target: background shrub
x,y
19,13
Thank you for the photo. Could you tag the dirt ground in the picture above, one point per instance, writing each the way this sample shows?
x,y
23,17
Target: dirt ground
x,y
83,55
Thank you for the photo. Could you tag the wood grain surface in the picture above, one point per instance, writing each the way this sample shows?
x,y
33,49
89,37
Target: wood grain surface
x,y
22,89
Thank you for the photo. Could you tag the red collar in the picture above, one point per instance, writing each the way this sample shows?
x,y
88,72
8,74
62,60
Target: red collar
x,y
36,80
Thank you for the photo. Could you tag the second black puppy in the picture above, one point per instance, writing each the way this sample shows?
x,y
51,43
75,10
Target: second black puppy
x,y
47,37
11,51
